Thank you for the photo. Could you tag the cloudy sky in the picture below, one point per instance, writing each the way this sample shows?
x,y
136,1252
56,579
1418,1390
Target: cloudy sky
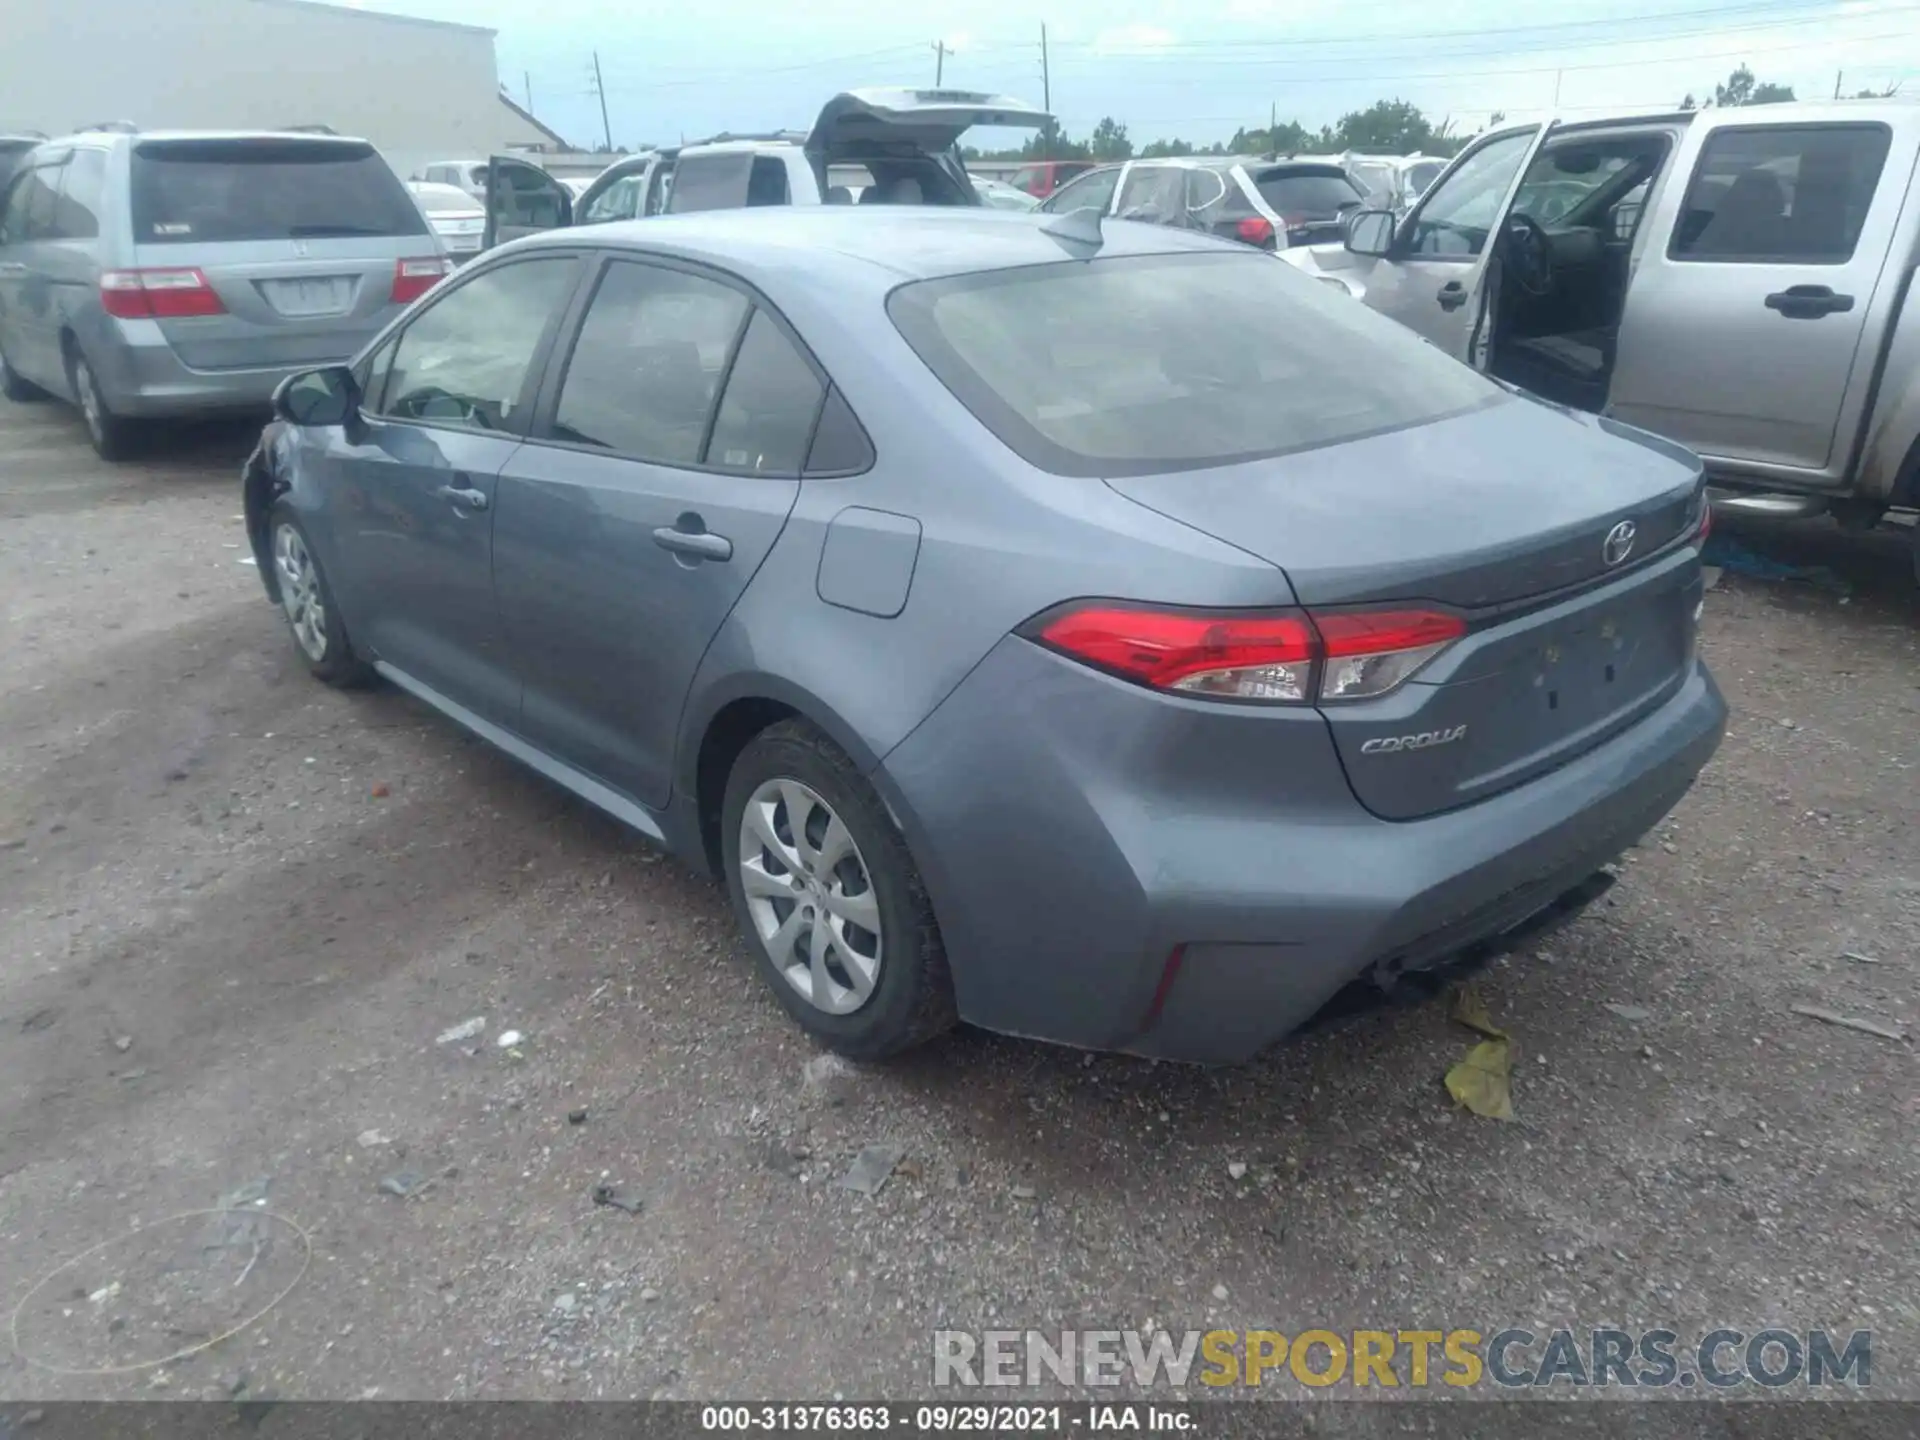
x,y
1192,68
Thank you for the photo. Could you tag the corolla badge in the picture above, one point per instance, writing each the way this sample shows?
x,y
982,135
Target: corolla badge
x,y
1619,543
1424,740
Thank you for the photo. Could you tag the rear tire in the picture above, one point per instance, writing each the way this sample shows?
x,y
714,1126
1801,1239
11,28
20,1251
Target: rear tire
x,y
15,387
113,437
810,854
306,602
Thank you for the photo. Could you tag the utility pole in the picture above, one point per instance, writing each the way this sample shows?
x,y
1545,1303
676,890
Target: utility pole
x,y
939,61
1838,75
1558,75
1273,127
1046,96
600,89
527,77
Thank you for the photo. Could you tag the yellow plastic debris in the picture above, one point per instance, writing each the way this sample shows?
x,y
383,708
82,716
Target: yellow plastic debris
x,y
1482,1081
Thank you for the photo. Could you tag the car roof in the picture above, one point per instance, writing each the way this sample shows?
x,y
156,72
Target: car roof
x,y
878,246
97,137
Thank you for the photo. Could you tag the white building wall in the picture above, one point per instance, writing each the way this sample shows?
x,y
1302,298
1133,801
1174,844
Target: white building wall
x,y
418,89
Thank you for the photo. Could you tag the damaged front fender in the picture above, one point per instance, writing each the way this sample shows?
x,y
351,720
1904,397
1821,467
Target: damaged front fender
x,y
260,485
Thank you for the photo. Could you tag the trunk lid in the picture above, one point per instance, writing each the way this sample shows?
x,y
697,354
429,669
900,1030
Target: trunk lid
x,y
1504,516
298,235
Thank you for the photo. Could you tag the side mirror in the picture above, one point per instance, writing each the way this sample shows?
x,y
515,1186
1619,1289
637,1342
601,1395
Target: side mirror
x,y
312,398
1370,232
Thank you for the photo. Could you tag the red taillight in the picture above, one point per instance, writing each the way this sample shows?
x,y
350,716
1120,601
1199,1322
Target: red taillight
x,y
414,278
158,294
1255,230
1370,653
1706,521
1281,659
1255,657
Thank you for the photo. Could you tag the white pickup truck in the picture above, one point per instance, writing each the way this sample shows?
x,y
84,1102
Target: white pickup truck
x,y
1740,280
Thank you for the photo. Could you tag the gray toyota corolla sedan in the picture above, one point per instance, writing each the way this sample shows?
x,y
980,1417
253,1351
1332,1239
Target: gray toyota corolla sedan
x,y
1117,639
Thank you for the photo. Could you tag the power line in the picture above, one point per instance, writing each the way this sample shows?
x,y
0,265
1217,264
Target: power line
x,y
1556,48
1612,22
1365,76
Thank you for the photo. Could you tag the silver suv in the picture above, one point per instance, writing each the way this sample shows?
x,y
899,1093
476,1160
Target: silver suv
x,y
159,274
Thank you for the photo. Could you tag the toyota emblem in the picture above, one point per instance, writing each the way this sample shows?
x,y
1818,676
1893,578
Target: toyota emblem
x,y
1619,543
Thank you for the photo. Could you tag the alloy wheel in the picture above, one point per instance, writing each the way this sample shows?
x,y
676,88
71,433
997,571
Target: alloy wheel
x,y
300,592
90,408
810,896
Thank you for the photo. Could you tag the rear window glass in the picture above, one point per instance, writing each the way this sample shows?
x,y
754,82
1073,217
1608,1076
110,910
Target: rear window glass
x,y
1126,366
1307,192
188,192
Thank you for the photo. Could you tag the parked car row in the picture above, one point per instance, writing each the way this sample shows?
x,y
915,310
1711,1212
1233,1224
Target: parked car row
x,y
148,274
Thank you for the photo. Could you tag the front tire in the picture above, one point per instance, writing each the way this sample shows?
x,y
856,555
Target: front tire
x,y
312,618
827,893
113,437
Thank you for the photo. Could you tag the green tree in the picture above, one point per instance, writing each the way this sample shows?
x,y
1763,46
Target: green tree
x,y
1165,149
1743,89
1396,126
1110,140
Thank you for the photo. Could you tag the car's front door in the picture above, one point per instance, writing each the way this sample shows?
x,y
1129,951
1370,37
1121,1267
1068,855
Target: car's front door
x,y
407,492
666,456
522,199
1433,279
1769,272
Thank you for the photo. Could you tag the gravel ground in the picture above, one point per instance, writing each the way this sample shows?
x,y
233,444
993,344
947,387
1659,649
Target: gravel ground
x,y
237,909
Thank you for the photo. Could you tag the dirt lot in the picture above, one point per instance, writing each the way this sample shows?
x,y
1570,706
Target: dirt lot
x,y
237,909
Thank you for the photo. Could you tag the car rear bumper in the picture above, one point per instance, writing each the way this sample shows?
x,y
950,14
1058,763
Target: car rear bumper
x,y
142,376
1102,880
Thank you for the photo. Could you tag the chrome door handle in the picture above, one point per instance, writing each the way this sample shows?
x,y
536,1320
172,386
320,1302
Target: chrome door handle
x,y
13,267
465,499
702,544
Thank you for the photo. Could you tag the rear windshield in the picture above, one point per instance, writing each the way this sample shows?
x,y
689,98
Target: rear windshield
x,y
188,192
1318,192
1142,365
445,200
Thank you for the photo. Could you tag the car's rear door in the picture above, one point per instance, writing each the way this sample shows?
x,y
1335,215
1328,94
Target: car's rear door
x,y
666,455
1777,242
1434,276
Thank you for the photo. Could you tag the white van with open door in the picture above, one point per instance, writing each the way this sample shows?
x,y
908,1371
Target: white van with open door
x,y
891,146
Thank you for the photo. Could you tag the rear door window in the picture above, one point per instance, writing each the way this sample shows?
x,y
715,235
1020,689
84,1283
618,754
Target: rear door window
x,y
710,182
1796,194
771,402
83,183
1122,366
645,371
619,201
31,205
1084,192
188,192
463,362
1156,194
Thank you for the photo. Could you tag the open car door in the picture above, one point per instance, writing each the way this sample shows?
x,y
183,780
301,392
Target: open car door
x,y
522,199
861,125
1433,275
